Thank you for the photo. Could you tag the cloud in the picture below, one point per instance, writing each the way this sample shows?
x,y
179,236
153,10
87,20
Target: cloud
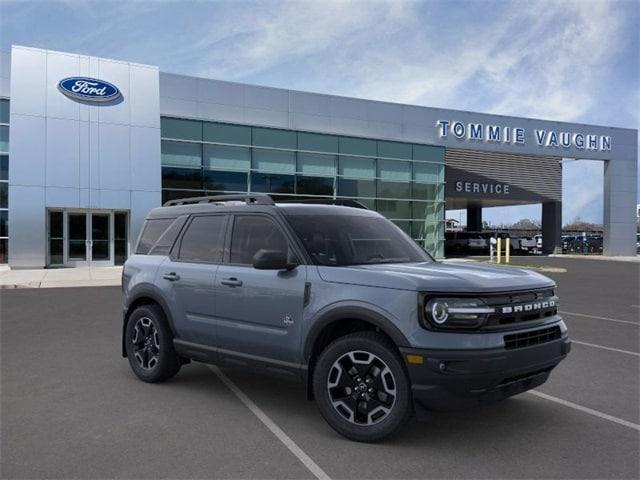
x,y
570,60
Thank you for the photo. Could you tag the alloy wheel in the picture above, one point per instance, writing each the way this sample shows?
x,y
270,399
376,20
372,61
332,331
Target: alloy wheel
x,y
146,343
361,387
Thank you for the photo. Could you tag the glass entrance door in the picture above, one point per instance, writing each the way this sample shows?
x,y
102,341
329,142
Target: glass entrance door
x,y
77,238
100,241
87,238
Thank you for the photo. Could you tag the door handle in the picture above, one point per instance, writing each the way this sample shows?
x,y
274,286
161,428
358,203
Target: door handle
x,y
232,282
172,276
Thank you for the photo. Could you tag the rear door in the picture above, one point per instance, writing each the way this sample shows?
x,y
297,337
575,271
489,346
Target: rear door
x,y
187,275
259,312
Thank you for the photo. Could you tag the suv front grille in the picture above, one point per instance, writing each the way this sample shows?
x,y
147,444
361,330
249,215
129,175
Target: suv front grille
x,y
520,307
535,337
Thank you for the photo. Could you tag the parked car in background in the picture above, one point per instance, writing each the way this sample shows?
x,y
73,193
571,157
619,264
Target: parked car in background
x,y
458,243
529,245
538,247
582,244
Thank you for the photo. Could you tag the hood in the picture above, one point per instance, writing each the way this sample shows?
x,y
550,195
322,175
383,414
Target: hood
x,y
438,277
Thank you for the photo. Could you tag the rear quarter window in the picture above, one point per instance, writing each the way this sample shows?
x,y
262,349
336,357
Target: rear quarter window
x,y
151,233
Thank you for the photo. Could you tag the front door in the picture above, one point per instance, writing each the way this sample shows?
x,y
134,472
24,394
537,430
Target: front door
x,y
100,240
80,238
259,312
77,239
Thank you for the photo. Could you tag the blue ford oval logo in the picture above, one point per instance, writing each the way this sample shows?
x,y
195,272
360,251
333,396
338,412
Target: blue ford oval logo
x,y
89,89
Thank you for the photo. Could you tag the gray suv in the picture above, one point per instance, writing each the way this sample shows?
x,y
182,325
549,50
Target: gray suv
x,y
339,298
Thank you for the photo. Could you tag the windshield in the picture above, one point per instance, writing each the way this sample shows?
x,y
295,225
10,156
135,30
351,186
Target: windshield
x,y
340,240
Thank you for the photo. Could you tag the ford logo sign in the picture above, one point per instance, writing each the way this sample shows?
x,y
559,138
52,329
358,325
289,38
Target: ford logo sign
x,y
89,89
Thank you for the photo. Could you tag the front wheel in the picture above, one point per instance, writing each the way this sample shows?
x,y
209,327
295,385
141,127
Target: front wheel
x,y
362,388
149,345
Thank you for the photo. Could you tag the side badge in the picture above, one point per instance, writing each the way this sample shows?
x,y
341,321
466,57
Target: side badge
x,y
288,320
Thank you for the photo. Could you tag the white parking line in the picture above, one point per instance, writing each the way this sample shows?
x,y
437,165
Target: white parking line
x,y
590,411
600,318
628,352
271,425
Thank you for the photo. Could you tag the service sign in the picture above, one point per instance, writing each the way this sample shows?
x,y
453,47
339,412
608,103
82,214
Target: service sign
x,y
88,89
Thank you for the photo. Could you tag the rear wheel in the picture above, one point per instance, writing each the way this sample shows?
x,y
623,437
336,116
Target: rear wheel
x,y
361,387
149,345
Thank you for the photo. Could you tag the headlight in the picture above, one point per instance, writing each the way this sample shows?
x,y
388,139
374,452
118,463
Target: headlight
x,y
456,312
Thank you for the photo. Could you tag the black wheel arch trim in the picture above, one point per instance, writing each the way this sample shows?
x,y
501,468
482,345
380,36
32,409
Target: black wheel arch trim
x,y
354,312
144,291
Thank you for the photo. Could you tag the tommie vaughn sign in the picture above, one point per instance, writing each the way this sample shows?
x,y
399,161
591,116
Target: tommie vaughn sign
x,y
88,89
478,132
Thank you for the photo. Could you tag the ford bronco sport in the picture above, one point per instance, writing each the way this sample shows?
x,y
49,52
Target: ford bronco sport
x,y
340,298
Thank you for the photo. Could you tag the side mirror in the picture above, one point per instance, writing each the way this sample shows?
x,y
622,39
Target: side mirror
x,y
272,260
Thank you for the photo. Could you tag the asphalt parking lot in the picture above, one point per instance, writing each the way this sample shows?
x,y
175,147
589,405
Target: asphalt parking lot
x,y
71,408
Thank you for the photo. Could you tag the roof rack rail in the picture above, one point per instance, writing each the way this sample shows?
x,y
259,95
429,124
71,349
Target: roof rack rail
x,y
343,202
249,198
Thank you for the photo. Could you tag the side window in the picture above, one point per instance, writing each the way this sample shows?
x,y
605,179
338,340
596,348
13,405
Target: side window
x,y
168,238
252,233
151,233
204,239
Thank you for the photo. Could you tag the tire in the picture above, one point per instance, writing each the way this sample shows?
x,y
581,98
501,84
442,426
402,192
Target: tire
x,y
149,345
341,393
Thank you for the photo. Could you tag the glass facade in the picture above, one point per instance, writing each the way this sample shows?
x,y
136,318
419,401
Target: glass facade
x,y
4,181
402,181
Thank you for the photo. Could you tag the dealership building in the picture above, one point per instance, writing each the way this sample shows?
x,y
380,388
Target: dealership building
x,y
89,145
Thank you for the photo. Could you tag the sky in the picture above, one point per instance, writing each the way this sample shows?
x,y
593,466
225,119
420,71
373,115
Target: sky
x,y
558,60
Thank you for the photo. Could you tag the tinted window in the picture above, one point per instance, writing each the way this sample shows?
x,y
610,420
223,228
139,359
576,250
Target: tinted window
x,y
168,238
190,178
263,182
152,230
204,239
340,240
4,167
314,185
253,233
225,181
4,227
4,194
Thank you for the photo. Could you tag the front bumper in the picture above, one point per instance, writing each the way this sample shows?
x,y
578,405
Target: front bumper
x,y
453,379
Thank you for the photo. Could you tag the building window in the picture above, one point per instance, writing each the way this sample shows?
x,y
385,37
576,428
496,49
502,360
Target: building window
x,y
4,195
271,183
322,186
181,154
274,138
224,133
274,161
227,158
317,142
403,181
190,178
4,181
225,181
4,138
394,150
356,167
181,129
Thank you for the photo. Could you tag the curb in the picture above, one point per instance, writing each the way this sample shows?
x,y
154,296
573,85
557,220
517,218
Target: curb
x,y
62,284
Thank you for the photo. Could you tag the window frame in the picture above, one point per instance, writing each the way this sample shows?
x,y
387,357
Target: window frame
x,y
174,255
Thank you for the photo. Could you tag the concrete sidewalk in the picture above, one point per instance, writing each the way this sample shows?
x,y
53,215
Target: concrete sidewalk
x,y
61,277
